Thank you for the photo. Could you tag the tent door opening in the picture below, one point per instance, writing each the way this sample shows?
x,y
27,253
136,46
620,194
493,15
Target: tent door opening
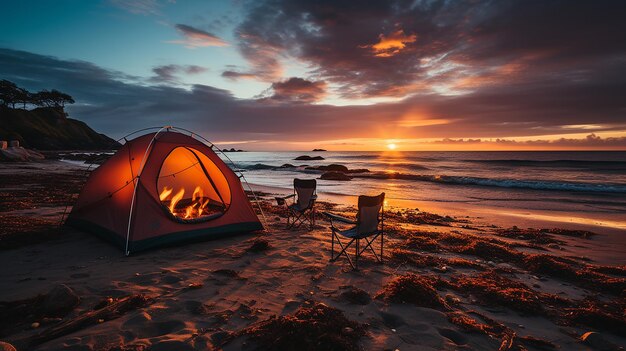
x,y
191,187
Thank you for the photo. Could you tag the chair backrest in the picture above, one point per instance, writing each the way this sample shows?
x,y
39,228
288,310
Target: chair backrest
x,y
305,188
370,213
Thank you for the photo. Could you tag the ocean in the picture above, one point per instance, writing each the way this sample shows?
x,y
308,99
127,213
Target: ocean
x,y
584,187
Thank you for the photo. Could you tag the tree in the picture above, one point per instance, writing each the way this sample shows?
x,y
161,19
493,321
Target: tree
x,y
60,99
52,98
8,93
11,94
23,97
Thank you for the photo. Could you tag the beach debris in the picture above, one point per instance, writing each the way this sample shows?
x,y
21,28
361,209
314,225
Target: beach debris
x,y
414,289
112,311
452,299
580,274
602,315
356,296
598,342
313,327
494,289
194,286
421,217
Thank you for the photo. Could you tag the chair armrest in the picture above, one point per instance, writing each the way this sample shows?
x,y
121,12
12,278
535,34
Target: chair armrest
x,y
338,218
281,200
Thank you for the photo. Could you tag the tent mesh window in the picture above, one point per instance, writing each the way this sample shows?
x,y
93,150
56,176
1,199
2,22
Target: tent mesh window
x,y
191,187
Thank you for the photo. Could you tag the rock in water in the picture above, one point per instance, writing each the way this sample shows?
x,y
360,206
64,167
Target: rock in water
x,y
5,346
597,342
335,176
59,301
308,158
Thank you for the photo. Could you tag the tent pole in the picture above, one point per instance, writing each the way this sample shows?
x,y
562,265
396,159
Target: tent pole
x,y
135,183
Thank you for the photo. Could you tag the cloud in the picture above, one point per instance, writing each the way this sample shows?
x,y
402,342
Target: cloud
x,y
391,45
138,7
169,73
435,47
234,75
197,38
114,103
589,142
297,90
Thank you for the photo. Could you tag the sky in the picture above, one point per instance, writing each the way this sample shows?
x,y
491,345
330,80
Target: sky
x,y
340,75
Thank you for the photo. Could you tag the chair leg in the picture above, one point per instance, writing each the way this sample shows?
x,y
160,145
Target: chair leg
x,y
332,244
381,246
344,251
356,257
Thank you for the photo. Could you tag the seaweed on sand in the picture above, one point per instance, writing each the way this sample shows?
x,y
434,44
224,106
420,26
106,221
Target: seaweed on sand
x,y
414,289
315,327
509,340
421,243
420,217
597,314
493,288
539,237
583,275
422,260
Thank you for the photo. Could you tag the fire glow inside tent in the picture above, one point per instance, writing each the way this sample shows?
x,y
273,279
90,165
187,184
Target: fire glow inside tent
x,y
163,188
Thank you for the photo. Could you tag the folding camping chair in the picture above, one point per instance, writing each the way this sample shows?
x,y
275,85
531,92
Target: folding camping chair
x,y
303,208
370,223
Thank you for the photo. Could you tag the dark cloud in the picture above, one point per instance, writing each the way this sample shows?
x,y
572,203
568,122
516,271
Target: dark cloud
x,y
195,38
297,90
401,47
169,73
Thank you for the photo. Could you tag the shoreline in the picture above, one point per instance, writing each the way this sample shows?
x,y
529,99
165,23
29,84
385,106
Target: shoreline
x,y
609,250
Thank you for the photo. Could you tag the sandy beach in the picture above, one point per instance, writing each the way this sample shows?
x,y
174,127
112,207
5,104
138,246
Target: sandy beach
x,y
448,283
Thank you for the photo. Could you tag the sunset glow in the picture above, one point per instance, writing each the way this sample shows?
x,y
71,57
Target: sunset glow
x,y
281,76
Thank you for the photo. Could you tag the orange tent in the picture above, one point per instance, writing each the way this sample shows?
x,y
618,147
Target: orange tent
x,y
163,188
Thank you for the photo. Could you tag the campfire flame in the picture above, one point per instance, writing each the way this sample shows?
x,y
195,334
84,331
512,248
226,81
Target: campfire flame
x,y
197,207
165,193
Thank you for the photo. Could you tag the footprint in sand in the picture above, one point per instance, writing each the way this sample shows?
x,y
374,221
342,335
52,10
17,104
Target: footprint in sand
x,y
171,279
453,335
144,327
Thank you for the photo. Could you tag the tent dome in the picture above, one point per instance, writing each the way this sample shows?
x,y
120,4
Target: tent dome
x,y
163,188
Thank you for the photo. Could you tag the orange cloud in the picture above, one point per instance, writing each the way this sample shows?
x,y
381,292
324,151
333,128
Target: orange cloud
x,y
196,38
388,46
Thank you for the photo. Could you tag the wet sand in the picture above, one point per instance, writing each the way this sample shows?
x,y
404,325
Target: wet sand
x,y
448,283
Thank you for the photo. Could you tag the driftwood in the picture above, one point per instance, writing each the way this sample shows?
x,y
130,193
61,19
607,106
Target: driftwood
x,y
111,311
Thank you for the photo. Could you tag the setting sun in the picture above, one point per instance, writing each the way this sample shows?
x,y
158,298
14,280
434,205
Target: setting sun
x,y
391,146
